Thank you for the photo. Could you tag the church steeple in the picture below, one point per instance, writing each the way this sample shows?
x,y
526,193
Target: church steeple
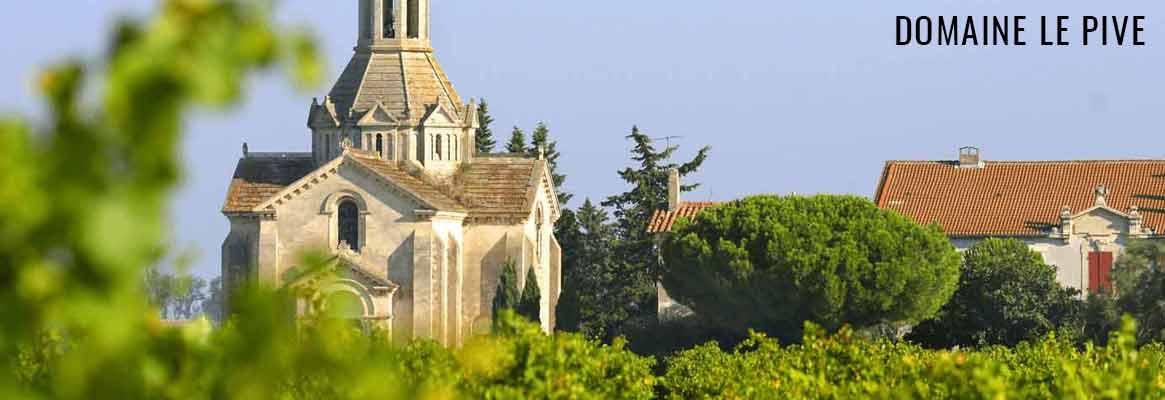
x,y
393,99
394,24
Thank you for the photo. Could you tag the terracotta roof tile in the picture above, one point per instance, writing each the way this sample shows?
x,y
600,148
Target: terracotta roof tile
x,y
256,179
664,220
1016,198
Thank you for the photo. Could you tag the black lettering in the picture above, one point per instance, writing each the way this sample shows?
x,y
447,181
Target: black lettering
x,y
1120,27
969,33
906,41
1137,29
1044,32
920,30
1019,19
1001,31
1090,25
948,34
1061,27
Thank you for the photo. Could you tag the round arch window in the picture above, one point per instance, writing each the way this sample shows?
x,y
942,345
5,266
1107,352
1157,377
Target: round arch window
x,y
349,224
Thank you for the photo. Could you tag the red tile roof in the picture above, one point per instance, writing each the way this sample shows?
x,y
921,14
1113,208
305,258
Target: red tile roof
x,y
1017,198
664,220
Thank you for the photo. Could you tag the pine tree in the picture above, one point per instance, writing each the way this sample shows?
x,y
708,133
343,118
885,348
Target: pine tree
x,y
517,143
484,138
530,306
591,302
506,296
633,209
541,139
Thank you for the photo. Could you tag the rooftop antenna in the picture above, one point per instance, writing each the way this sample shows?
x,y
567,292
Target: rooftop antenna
x,y
668,139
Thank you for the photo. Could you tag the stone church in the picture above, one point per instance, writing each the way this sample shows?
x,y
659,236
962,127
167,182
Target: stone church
x,y
418,226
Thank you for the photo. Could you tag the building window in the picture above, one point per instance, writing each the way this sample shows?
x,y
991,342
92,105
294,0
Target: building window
x,y
538,232
1100,272
380,145
389,19
349,224
438,147
414,19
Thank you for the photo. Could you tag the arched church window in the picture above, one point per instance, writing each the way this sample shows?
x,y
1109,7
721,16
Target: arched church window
x,y
349,224
380,145
438,147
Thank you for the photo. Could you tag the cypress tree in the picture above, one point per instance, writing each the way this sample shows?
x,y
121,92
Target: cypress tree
x,y
541,137
484,137
531,303
506,297
517,143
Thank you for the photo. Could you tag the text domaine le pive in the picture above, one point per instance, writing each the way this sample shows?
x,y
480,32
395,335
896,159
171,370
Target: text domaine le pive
x,y
1014,31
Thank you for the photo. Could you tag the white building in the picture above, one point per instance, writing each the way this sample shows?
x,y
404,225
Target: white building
x,y
1078,214
418,224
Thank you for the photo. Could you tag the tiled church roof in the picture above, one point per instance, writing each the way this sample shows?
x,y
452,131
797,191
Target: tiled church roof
x,y
409,80
664,220
498,185
426,192
1014,198
489,186
261,177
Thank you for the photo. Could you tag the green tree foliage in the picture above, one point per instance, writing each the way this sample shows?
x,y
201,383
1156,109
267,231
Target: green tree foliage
x,y
635,249
93,184
1139,280
214,305
530,306
1101,315
517,143
831,260
540,142
506,297
593,277
844,366
1138,257
484,136
1144,301
1006,295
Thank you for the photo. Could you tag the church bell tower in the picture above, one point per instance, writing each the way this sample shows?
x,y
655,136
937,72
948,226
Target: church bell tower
x,y
393,98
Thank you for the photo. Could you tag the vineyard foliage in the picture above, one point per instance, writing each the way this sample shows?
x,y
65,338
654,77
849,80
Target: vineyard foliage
x,y
844,366
85,196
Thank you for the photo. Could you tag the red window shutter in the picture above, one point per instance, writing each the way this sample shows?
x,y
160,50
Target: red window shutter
x,y
1100,272
1106,271
1093,272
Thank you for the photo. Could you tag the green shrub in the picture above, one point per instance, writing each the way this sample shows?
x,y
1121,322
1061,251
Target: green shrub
x,y
771,263
1006,295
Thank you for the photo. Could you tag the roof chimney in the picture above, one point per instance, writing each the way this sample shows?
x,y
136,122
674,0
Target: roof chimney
x,y
969,157
673,190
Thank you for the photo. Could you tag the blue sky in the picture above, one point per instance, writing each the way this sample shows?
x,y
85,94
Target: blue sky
x,y
794,96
